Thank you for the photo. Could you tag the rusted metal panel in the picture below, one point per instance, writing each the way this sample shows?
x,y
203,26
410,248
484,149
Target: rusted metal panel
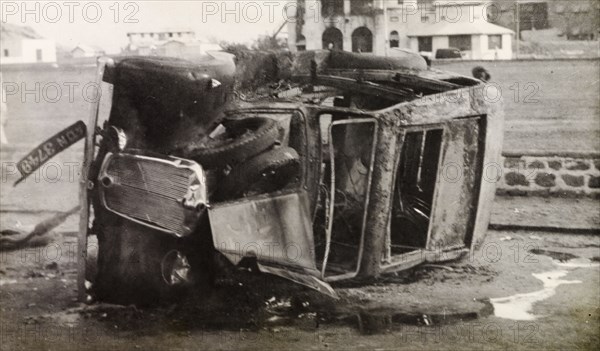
x,y
299,278
381,197
448,106
457,185
492,168
273,229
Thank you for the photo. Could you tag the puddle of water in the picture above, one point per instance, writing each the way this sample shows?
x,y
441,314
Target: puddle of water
x,y
518,307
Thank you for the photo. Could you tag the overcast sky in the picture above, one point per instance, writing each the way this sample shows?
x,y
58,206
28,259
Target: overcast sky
x,y
105,23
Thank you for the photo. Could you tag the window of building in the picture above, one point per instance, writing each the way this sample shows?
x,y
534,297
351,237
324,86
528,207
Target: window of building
x,y
332,7
142,35
494,41
333,39
300,43
361,7
161,36
426,44
362,40
424,19
394,39
6,53
38,55
170,35
461,42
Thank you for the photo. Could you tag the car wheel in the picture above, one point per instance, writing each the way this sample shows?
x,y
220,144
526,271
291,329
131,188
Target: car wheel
x,y
243,139
267,172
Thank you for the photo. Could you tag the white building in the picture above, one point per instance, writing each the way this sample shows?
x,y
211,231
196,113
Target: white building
x,y
23,45
378,25
170,42
464,27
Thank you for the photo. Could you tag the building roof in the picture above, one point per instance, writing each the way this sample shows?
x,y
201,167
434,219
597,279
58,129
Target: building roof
x,y
163,30
189,43
460,28
8,30
88,48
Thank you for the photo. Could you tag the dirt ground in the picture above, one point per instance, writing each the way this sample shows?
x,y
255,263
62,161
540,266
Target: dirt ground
x,y
549,105
444,306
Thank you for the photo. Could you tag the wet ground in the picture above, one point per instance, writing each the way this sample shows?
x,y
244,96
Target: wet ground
x,y
520,291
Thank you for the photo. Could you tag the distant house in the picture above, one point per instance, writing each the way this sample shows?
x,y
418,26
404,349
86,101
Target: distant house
x,y
170,42
476,41
23,45
86,51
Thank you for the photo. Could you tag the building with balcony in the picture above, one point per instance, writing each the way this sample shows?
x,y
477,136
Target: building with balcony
x,y
378,25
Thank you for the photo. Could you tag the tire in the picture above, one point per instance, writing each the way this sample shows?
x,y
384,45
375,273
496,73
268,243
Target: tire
x,y
245,138
267,172
131,258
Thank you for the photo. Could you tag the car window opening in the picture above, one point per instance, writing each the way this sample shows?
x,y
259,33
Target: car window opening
x,y
413,190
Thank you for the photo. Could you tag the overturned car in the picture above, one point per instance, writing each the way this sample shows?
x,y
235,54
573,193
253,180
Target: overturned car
x,y
316,167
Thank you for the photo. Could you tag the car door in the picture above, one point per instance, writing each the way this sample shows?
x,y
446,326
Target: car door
x,y
448,160
274,228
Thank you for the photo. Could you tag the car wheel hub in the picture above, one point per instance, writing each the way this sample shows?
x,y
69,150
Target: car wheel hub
x,y
175,268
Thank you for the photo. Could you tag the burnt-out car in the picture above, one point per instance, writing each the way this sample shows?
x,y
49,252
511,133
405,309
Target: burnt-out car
x,y
316,167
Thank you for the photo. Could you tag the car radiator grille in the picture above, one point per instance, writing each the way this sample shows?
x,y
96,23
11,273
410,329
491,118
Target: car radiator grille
x,y
150,191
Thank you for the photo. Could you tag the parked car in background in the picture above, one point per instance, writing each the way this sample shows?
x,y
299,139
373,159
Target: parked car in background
x,y
449,53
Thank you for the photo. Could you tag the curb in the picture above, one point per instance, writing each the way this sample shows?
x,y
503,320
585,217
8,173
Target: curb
x,y
547,229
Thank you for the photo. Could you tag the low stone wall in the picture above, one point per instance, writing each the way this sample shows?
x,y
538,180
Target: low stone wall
x,y
554,174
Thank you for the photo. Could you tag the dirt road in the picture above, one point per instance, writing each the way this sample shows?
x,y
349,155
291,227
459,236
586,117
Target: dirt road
x,y
457,305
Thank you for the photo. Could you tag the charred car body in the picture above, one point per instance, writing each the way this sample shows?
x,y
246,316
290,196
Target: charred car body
x,y
319,167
